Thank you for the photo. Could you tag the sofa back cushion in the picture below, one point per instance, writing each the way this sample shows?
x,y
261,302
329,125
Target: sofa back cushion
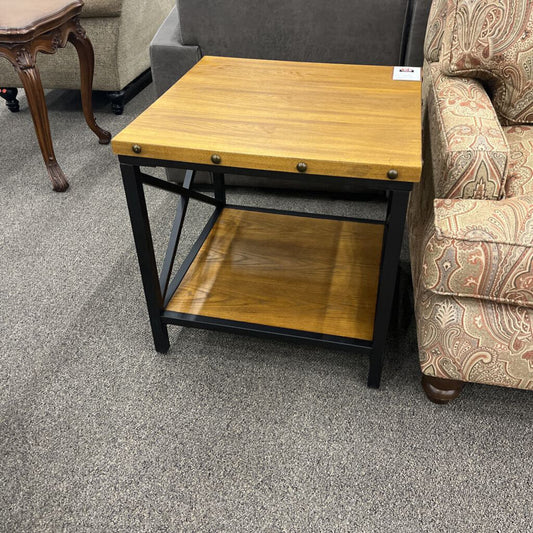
x,y
493,41
101,8
343,31
435,30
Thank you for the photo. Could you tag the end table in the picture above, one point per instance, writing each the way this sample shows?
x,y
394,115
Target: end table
x,y
306,277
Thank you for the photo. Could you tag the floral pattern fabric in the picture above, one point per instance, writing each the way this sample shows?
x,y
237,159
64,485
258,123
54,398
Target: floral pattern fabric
x,y
470,151
435,30
520,177
482,249
493,41
475,340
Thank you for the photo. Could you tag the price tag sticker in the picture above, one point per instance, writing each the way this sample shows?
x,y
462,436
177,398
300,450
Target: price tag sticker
x,y
406,73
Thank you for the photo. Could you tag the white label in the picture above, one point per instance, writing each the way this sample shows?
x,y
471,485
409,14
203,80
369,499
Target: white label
x,y
406,73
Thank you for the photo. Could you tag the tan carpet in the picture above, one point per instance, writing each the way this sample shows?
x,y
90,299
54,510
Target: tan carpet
x,y
225,433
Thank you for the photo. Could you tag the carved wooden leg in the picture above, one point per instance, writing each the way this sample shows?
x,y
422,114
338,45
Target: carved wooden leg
x,y
9,94
440,390
86,57
31,79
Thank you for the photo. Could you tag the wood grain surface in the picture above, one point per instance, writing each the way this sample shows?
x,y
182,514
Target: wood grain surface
x,y
23,19
341,120
286,271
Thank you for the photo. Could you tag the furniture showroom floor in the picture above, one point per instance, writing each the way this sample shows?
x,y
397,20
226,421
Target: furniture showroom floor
x,y
224,433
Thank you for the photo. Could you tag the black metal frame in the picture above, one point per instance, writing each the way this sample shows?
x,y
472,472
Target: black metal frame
x,y
158,289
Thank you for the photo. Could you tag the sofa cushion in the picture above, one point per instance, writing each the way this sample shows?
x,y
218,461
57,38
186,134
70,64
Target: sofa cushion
x,y
344,31
520,175
482,249
493,41
102,8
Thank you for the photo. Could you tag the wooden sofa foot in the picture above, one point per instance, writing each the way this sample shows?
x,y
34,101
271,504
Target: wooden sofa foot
x,y
441,391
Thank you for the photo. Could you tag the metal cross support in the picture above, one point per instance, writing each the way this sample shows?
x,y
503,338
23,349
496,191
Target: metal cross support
x,y
175,234
158,289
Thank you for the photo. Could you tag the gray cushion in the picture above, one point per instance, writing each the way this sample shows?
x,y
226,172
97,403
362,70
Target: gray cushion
x,y
170,59
343,31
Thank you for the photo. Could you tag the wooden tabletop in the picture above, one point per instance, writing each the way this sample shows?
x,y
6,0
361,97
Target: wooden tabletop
x,y
302,273
341,120
23,19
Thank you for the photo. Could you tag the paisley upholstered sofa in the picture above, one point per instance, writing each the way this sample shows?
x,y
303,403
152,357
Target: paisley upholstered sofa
x,y
471,218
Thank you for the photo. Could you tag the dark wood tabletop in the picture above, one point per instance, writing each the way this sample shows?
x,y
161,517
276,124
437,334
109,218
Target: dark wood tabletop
x,y
22,20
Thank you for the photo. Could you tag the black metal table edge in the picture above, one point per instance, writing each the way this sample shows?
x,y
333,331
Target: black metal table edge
x,y
302,214
263,330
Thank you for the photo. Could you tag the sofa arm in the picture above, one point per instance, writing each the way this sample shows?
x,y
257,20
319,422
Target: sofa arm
x,y
470,153
139,21
482,249
170,59
508,221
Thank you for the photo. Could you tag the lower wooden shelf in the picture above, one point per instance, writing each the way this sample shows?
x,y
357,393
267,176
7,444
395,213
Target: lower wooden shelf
x,y
303,273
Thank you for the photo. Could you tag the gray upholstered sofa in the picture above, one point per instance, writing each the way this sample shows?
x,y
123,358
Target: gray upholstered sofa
x,y
120,31
388,32
384,32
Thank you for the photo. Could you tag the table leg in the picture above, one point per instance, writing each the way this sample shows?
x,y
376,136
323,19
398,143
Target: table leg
x,y
390,257
83,46
220,187
133,186
31,80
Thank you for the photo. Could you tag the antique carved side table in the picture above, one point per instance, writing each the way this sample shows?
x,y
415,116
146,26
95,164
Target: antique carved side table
x,y
28,27
299,276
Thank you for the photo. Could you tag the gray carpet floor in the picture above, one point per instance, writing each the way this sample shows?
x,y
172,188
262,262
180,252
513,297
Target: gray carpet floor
x,y
99,433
